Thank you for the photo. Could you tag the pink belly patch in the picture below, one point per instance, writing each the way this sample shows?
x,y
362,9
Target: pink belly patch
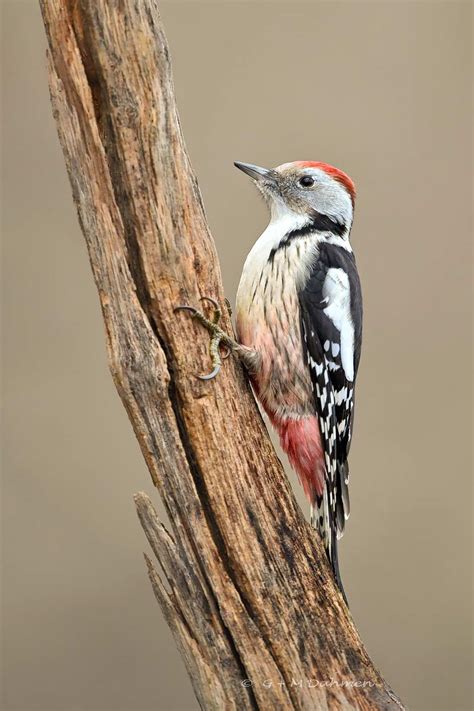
x,y
300,437
301,440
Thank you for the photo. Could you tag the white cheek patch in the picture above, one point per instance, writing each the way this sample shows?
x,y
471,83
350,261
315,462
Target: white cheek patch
x,y
331,198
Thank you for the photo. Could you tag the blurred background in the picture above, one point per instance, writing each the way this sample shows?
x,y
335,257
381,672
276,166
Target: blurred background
x,y
381,90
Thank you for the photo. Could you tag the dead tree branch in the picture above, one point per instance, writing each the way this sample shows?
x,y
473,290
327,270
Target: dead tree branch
x,y
248,593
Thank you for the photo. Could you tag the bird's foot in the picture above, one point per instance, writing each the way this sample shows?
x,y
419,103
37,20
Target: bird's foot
x,y
219,337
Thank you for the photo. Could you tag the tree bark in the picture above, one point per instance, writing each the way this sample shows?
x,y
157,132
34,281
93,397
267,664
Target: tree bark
x,y
245,586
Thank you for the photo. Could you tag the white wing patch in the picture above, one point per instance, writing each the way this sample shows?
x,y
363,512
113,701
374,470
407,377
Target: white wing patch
x,y
336,290
341,395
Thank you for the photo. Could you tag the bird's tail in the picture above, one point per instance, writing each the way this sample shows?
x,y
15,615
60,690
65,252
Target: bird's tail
x,y
323,521
334,560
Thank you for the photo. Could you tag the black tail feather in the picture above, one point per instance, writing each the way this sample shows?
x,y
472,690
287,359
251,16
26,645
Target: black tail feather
x,y
325,522
334,560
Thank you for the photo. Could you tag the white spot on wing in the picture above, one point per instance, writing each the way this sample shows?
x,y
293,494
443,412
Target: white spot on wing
x,y
317,366
323,398
341,395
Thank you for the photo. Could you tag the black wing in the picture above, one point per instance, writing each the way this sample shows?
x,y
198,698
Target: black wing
x,y
331,316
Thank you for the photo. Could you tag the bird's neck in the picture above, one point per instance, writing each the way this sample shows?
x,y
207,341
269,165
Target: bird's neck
x,y
285,226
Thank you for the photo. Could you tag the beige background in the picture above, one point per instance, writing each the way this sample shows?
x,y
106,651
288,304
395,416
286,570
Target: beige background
x,y
381,90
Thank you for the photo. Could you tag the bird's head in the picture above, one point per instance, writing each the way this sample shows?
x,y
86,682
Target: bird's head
x,y
305,188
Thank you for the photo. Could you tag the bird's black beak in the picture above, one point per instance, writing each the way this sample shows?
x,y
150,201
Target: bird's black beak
x,y
255,171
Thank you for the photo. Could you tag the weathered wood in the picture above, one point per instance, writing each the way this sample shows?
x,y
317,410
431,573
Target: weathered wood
x,y
248,592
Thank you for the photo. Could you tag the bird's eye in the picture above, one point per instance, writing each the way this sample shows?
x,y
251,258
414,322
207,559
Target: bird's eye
x,y
306,181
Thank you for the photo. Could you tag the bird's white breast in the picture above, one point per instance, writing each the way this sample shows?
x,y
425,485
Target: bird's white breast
x,y
258,257
267,314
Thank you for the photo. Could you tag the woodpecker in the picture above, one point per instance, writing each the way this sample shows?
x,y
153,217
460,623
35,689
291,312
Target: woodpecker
x,y
299,330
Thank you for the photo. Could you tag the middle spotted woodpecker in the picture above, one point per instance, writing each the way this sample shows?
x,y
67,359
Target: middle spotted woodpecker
x,y
299,327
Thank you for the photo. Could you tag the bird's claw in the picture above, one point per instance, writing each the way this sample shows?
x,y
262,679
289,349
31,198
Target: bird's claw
x,y
183,307
210,375
216,316
226,353
217,334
